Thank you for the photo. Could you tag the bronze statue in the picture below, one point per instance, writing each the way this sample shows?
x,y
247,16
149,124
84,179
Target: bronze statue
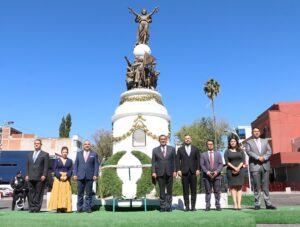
x,y
141,73
144,20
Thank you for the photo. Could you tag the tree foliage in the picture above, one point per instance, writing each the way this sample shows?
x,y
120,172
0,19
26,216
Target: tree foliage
x,y
212,89
65,126
103,143
201,130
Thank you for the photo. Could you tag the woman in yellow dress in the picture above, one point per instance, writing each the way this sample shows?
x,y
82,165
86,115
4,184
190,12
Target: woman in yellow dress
x,y
61,194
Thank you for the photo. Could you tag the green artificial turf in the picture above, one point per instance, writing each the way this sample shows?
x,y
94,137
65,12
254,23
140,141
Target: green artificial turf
x,y
247,200
226,217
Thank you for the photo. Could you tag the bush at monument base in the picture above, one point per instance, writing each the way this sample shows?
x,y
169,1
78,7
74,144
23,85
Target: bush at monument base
x,y
144,184
109,184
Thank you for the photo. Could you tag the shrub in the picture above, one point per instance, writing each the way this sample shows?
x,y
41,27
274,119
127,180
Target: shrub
x,y
109,184
144,184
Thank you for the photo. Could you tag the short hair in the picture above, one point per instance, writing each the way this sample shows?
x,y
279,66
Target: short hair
x,y
162,135
187,135
64,148
255,128
210,140
38,140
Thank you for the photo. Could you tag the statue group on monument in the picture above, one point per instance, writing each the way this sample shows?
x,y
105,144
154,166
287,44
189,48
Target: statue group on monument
x,y
142,73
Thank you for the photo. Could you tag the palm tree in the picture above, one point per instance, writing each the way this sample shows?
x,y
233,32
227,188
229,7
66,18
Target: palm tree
x,y
212,89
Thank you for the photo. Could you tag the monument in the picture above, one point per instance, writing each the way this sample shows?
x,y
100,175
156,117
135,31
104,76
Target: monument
x,y
141,116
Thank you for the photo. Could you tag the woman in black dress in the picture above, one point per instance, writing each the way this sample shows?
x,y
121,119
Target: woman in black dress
x,y
234,159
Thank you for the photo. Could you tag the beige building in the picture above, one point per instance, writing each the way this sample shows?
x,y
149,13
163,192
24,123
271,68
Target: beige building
x,y
13,140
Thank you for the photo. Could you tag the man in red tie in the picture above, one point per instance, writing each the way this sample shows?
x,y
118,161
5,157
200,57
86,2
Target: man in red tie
x,y
212,164
163,170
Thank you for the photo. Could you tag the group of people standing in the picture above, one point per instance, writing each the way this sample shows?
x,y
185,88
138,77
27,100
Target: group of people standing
x,y
187,164
85,171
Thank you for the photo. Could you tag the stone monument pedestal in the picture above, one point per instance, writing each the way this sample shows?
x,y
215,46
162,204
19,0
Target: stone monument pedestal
x,y
139,120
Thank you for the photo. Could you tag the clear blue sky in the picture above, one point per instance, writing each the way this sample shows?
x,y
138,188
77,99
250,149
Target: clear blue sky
x,y
67,56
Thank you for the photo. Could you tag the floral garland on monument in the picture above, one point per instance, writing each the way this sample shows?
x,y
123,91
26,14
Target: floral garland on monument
x,y
141,98
138,124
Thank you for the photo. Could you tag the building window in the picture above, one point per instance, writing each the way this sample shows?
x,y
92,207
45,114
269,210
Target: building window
x,y
139,138
241,133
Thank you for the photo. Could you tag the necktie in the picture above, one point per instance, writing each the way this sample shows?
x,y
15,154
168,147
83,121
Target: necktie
x,y
188,149
211,160
34,156
164,151
258,144
86,155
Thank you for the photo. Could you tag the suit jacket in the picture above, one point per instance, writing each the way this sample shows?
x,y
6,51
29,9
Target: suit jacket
x,y
184,163
39,168
253,153
205,164
163,165
88,169
60,167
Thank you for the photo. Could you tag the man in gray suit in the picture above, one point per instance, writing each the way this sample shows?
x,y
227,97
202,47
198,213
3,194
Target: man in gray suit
x,y
212,164
259,152
163,170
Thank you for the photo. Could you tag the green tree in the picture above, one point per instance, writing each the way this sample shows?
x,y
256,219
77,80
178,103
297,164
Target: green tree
x,y
68,124
201,130
103,143
65,126
212,89
62,128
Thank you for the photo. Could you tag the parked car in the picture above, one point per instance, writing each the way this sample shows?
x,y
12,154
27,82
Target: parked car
x,y
6,190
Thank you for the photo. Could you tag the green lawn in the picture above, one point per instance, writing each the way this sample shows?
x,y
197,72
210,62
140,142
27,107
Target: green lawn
x,y
247,200
227,217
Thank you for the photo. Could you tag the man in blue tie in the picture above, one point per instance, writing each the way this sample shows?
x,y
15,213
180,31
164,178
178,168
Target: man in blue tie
x,y
86,171
36,173
188,168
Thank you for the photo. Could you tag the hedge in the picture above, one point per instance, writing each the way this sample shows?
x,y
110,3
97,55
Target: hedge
x,y
109,184
144,184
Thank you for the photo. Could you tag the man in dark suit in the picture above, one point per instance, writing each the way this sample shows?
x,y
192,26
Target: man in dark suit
x,y
163,170
86,171
212,164
188,168
259,152
36,174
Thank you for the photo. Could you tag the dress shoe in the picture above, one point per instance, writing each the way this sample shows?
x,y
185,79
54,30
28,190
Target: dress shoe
x,y
79,211
271,207
187,209
169,210
218,209
193,210
257,208
207,209
89,211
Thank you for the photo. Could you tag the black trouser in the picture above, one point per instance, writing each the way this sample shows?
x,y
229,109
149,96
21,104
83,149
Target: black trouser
x,y
214,184
189,182
87,186
16,195
165,182
35,195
